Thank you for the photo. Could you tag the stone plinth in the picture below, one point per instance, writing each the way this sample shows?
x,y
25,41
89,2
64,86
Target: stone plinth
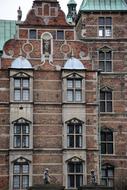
x,y
46,187
95,187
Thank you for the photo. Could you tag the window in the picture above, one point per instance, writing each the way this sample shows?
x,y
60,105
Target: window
x,y
21,132
60,34
20,174
74,89
75,174
105,26
21,89
32,34
105,60
105,100
107,175
106,141
74,134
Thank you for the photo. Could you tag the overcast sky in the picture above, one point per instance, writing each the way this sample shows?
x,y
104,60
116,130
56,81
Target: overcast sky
x,y
8,8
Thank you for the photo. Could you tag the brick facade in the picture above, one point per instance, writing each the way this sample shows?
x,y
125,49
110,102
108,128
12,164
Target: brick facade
x,y
47,111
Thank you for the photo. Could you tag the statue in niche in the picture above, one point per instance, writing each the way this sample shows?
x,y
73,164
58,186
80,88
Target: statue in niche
x,y
46,47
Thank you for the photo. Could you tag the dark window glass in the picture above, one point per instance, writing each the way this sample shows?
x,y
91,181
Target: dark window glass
x,y
21,135
107,178
105,61
106,142
60,34
74,135
75,174
21,176
105,101
32,34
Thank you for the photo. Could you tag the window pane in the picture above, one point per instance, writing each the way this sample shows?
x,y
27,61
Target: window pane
x,y
102,95
110,172
103,148
25,94
70,95
108,66
16,182
79,180
101,31
17,141
101,56
78,95
78,141
102,106
78,129
108,31
110,148
70,141
103,136
104,182
32,34
71,129
109,96
109,136
25,129
71,181
78,84
25,83
17,83
108,21
25,168
109,106
17,129
25,142
102,66
79,168
101,21
25,181
108,55
71,167
16,169
60,35
17,95
69,83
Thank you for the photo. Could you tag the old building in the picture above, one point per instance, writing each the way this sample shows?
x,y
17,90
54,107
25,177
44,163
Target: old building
x,y
63,84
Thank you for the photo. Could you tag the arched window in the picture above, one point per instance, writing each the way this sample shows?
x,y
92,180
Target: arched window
x,y
106,141
20,174
75,173
74,133
105,59
105,100
21,134
107,177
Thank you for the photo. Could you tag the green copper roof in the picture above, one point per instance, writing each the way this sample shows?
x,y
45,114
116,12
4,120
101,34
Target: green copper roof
x,y
7,31
103,5
72,2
